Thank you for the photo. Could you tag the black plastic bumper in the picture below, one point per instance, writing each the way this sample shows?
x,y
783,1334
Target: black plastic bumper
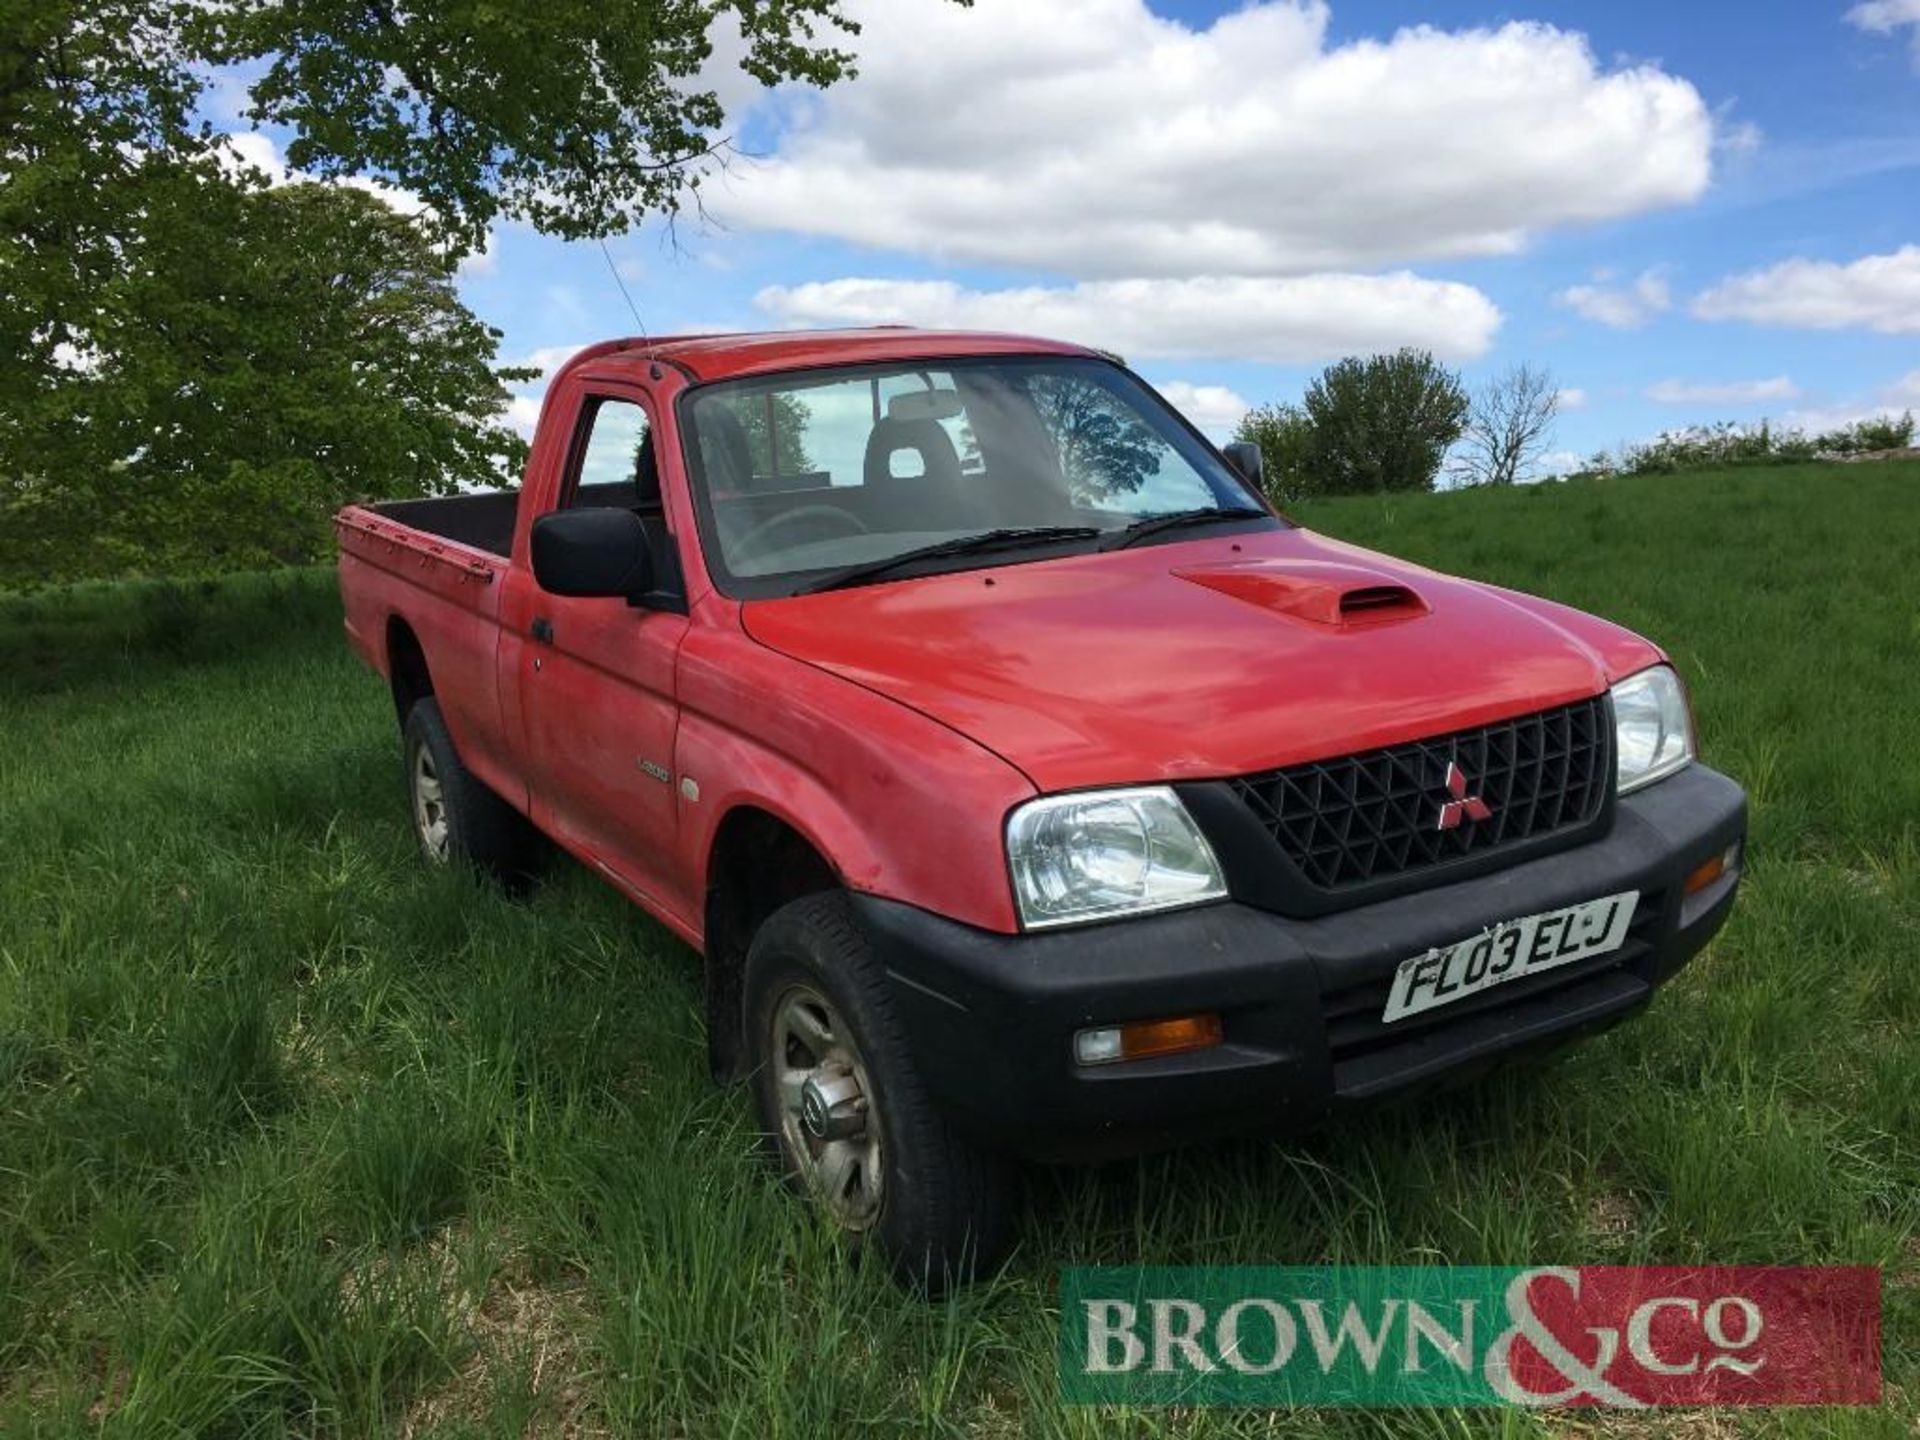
x,y
991,1017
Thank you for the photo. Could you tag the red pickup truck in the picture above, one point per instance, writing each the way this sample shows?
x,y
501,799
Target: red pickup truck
x,y
1030,787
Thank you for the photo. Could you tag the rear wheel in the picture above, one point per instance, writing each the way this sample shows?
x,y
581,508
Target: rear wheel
x,y
454,815
845,1111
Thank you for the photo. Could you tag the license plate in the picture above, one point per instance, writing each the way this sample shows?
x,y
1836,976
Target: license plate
x,y
1511,950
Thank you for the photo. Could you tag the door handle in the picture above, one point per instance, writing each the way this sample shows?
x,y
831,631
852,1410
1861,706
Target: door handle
x,y
543,630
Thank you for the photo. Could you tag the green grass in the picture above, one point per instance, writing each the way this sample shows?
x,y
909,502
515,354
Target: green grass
x,y
297,1135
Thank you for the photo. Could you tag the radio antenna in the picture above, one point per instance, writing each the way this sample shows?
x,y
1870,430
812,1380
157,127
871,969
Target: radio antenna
x,y
614,270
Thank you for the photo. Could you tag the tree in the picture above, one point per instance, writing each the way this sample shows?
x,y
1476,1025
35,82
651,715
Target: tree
x,y
1879,432
1284,434
581,116
1509,427
1105,448
578,117
1383,423
785,416
261,357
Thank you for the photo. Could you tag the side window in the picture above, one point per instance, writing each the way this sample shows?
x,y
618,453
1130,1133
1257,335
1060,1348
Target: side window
x,y
615,464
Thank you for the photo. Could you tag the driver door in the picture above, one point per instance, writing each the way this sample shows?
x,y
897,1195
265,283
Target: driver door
x,y
596,676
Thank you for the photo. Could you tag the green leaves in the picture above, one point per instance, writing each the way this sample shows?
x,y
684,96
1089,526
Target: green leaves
x,y
579,116
256,358
1379,423
1285,437
1383,423
194,369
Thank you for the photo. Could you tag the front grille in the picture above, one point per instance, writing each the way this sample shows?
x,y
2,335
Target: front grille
x,y
1369,817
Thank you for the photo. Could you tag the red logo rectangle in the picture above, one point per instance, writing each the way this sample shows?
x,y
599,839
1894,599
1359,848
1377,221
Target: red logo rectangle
x,y
1708,1335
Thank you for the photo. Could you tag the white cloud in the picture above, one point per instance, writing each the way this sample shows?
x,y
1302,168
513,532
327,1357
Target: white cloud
x,y
1093,137
249,148
547,359
1623,307
1214,409
1823,419
1891,400
1732,392
76,359
523,412
523,405
1883,17
483,261
1279,321
1904,392
1571,398
1738,137
1877,292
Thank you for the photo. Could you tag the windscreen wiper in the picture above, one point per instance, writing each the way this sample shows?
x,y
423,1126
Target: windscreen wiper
x,y
1154,524
1005,538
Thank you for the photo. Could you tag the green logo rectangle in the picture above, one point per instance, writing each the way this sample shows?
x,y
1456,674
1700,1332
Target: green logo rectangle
x,y
1279,1336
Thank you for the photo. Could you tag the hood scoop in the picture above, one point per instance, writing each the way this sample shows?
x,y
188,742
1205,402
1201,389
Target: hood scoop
x,y
1326,592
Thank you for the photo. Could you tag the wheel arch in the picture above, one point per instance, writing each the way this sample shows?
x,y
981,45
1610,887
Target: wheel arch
x,y
757,862
407,673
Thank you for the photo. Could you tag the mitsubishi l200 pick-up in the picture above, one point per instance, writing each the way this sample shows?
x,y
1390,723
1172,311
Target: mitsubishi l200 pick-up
x,y
1030,787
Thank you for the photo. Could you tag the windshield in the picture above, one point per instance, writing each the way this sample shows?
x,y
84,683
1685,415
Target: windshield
x,y
807,473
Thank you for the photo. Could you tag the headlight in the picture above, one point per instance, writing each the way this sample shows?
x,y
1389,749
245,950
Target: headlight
x,y
1108,852
1653,736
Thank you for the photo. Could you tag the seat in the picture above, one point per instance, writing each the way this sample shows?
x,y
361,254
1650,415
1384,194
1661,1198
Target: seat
x,y
647,496
939,461
935,499
650,504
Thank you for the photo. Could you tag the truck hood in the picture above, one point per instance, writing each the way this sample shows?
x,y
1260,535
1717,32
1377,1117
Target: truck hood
x,y
1202,658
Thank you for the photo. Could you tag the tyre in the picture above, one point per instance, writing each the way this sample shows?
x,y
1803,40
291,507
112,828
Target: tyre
x,y
844,1111
455,817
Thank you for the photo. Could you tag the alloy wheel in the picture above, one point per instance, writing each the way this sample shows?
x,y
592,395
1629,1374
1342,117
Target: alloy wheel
x,y
828,1119
429,804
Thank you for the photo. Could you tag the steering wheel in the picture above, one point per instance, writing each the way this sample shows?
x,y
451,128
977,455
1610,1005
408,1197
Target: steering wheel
x,y
756,539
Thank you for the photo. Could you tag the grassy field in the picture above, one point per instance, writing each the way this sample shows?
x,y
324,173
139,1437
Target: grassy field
x,y
299,1136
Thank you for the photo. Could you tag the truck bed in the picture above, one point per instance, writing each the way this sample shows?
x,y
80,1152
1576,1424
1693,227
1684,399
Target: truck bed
x,y
483,519
454,547
425,574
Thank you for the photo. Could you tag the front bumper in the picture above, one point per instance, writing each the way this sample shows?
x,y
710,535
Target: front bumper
x,y
991,1018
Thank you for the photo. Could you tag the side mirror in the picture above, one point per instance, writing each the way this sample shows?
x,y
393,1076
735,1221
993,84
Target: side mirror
x,y
1244,456
593,551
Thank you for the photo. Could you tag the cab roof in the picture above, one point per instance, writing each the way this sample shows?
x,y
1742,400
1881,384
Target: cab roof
x,y
725,357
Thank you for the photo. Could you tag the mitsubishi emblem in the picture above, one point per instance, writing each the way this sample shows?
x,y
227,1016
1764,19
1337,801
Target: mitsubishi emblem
x,y
1462,806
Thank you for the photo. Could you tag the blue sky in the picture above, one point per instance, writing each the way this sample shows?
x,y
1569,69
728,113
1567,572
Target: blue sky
x,y
1688,211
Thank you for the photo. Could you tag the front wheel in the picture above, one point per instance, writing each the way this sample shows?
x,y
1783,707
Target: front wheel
x,y
844,1110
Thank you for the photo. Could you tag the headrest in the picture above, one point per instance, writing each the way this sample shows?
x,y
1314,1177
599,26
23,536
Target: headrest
x,y
939,462
646,477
